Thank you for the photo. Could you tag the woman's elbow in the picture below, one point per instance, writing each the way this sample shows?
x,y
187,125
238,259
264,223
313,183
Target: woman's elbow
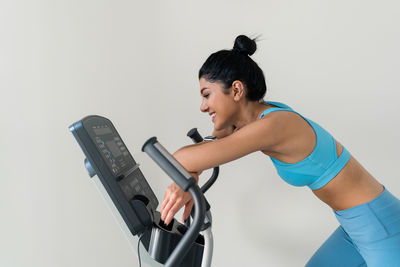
x,y
183,157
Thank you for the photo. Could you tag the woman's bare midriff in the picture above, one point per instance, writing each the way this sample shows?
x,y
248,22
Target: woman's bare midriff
x,y
353,186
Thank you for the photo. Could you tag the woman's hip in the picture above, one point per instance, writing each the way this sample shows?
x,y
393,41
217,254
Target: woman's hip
x,y
374,227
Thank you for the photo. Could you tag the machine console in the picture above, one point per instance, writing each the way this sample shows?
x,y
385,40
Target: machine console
x,y
109,159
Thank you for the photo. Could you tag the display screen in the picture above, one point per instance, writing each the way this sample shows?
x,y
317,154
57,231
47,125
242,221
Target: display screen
x,y
102,131
113,147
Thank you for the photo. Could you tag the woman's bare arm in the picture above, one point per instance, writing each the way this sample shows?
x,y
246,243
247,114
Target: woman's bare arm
x,y
259,135
253,137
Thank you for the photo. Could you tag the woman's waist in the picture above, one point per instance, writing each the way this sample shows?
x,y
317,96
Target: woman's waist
x,y
352,186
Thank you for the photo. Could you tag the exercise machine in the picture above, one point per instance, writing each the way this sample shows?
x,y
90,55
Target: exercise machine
x,y
121,182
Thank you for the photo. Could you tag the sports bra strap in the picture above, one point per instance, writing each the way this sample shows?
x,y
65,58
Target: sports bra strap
x,y
279,107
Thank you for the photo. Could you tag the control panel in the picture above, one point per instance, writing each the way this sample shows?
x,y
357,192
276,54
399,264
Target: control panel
x,y
109,159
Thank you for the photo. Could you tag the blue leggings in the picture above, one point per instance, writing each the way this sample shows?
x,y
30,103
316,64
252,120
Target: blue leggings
x,y
368,235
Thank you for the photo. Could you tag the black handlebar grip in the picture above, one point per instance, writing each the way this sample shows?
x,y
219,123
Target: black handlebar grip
x,y
197,138
185,181
169,164
194,134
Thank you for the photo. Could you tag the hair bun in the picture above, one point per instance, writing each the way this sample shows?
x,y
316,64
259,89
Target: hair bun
x,y
245,45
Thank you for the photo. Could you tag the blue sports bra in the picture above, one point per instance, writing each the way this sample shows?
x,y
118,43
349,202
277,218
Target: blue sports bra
x,y
317,169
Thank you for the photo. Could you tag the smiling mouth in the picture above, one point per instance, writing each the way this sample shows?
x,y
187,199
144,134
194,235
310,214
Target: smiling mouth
x,y
213,117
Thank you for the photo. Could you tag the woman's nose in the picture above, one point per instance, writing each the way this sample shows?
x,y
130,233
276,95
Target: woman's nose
x,y
203,107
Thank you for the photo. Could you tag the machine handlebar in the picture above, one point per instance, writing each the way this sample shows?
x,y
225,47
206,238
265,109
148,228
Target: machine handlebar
x,y
184,180
197,138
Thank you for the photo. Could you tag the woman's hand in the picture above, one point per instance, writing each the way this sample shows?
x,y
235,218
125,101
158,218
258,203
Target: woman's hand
x,y
224,132
174,199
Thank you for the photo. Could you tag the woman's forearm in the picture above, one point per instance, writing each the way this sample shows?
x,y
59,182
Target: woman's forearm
x,y
183,156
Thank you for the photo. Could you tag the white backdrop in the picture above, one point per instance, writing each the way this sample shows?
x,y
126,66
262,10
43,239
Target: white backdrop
x,y
136,62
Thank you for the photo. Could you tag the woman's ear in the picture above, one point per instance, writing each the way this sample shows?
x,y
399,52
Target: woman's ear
x,y
238,90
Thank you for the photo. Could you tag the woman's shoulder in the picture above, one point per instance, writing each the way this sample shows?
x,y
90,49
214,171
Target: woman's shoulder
x,y
275,106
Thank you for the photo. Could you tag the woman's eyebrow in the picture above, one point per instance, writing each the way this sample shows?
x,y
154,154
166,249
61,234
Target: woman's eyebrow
x,y
201,91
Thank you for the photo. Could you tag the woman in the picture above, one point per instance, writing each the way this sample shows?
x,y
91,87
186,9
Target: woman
x,y
232,88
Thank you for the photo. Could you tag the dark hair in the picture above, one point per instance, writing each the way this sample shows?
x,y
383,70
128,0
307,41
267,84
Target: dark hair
x,y
226,66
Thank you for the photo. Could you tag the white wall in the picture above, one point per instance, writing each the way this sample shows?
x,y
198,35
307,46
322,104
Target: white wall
x,y
136,62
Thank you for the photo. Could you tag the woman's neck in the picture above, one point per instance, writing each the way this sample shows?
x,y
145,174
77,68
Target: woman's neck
x,y
249,112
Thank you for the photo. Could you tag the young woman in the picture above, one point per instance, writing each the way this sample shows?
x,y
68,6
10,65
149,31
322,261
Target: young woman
x,y
232,88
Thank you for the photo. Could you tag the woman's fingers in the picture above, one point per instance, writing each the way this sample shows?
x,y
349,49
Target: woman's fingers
x,y
165,210
224,132
174,199
188,209
171,213
165,201
169,194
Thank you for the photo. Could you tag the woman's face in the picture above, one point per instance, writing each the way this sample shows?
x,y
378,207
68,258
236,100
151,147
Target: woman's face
x,y
219,105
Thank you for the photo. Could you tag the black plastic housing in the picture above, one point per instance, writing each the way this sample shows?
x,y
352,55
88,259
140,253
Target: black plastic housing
x,y
108,158
161,241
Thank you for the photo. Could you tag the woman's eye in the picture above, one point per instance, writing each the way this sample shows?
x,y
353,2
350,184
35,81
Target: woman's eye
x,y
206,95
